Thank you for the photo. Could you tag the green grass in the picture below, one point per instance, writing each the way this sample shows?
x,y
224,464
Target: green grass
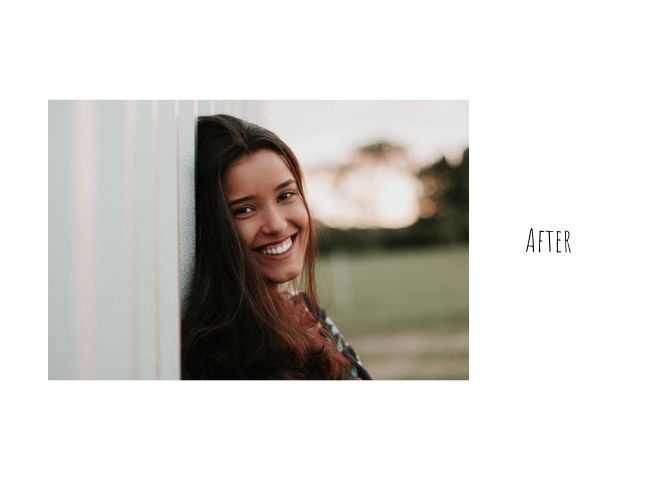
x,y
424,290
403,297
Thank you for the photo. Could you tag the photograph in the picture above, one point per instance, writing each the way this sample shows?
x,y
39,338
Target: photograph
x,y
259,239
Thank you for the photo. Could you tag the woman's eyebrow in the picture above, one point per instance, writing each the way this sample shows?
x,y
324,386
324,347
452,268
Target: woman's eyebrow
x,y
284,184
241,200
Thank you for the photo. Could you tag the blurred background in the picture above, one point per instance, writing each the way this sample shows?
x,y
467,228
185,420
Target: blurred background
x,y
387,182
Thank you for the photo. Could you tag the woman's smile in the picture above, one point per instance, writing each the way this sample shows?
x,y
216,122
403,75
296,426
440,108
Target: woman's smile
x,y
279,250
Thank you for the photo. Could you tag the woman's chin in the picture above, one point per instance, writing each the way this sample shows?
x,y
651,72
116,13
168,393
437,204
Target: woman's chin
x,y
282,277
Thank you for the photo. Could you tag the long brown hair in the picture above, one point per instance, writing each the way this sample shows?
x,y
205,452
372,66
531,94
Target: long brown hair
x,y
235,324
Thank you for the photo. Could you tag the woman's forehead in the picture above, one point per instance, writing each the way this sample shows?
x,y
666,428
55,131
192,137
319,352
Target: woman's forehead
x,y
261,171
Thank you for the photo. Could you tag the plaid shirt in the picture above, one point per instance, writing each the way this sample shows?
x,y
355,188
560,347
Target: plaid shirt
x,y
357,372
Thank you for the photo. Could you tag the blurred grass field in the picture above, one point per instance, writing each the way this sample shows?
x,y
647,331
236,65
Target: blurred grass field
x,y
406,313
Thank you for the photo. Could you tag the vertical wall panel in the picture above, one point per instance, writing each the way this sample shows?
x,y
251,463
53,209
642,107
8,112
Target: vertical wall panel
x,y
114,225
62,330
130,234
112,325
85,207
168,309
145,246
186,143
204,107
154,229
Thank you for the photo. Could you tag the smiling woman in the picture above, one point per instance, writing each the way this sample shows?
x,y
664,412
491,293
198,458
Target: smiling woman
x,y
252,312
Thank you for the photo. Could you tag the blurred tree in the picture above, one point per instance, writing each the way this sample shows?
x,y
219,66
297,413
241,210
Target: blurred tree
x,y
383,151
444,209
445,188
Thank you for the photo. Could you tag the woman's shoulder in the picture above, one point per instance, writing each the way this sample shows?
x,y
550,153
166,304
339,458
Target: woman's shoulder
x,y
342,345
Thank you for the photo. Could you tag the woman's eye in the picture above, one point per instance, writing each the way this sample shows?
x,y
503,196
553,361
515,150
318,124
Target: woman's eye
x,y
242,211
286,196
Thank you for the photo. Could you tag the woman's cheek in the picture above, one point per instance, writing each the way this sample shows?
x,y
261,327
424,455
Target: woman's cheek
x,y
302,212
245,231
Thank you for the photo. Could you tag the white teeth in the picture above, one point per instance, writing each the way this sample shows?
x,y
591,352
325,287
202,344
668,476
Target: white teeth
x,y
279,249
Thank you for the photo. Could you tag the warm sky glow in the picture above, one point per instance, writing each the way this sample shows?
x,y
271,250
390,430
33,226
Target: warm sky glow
x,y
327,131
374,196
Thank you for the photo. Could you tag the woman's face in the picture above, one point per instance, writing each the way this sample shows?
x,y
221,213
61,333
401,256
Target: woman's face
x,y
269,213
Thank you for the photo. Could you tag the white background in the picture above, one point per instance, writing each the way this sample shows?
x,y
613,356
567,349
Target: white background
x,y
570,128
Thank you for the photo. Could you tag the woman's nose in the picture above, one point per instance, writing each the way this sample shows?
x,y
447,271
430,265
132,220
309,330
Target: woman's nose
x,y
274,221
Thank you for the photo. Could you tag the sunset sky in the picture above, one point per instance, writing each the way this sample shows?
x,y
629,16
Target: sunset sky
x,y
321,132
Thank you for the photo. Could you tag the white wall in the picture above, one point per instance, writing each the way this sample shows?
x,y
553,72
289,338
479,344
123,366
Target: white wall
x,y
121,233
